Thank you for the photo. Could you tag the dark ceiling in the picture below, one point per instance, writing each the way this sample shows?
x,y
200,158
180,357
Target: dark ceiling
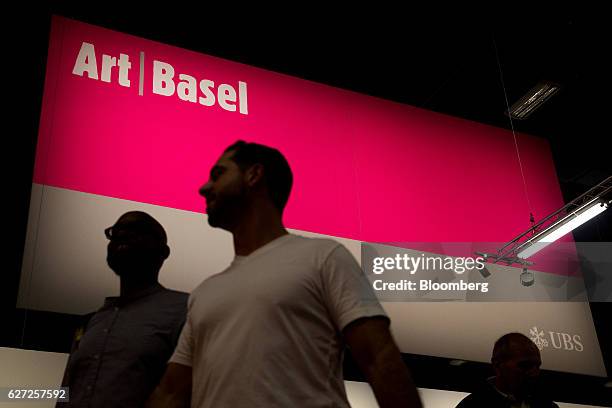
x,y
465,65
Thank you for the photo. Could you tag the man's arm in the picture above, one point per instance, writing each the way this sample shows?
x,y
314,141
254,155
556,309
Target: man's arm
x,y
76,340
75,345
174,389
376,354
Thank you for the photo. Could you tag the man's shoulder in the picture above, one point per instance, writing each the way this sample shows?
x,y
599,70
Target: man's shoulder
x,y
83,320
314,243
483,397
174,294
486,396
317,251
172,297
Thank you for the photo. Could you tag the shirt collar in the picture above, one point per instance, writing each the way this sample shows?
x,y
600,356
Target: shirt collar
x,y
123,300
240,259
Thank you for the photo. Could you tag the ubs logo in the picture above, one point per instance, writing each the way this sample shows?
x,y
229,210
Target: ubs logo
x,y
556,340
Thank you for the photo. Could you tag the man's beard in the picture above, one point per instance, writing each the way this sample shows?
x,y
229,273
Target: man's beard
x,y
132,261
227,209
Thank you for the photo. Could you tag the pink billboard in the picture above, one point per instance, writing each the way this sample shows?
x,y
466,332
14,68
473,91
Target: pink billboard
x,y
130,118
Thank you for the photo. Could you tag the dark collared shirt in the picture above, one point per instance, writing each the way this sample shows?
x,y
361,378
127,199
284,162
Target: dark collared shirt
x,y
124,350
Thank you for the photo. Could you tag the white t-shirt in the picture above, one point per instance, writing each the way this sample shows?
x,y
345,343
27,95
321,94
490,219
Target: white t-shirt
x,y
266,332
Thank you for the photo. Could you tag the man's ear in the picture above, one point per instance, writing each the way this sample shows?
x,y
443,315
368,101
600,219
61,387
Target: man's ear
x,y
254,174
495,363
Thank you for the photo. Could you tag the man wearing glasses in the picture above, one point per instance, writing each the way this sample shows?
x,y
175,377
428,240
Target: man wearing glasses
x,y
123,351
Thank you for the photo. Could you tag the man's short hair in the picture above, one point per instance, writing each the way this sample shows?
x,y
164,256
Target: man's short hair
x,y
277,173
502,350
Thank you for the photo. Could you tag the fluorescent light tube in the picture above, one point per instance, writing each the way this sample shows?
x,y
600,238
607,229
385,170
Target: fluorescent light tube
x,y
533,99
562,227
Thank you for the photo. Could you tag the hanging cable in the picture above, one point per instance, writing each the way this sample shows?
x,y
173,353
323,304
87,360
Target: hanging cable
x,y
501,76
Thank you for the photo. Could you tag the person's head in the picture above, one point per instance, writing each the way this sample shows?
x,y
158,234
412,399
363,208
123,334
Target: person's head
x,y
137,246
516,360
246,173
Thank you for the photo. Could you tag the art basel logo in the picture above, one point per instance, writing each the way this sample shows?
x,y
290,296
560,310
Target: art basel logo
x,y
164,81
558,340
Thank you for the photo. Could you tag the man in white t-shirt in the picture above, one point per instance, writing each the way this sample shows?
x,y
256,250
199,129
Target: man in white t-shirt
x,y
270,330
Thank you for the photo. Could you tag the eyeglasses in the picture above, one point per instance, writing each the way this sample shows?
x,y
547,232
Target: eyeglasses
x,y
108,232
132,232
114,233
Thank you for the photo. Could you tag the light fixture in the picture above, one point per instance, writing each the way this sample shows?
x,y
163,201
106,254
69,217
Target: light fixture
x,y
495,258
527,277
563,226
484,272
577,212
533,99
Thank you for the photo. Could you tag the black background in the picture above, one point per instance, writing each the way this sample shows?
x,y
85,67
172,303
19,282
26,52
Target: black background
x,y
466,63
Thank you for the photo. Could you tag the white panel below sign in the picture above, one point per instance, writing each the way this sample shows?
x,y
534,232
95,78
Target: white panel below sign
x,y
64,270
